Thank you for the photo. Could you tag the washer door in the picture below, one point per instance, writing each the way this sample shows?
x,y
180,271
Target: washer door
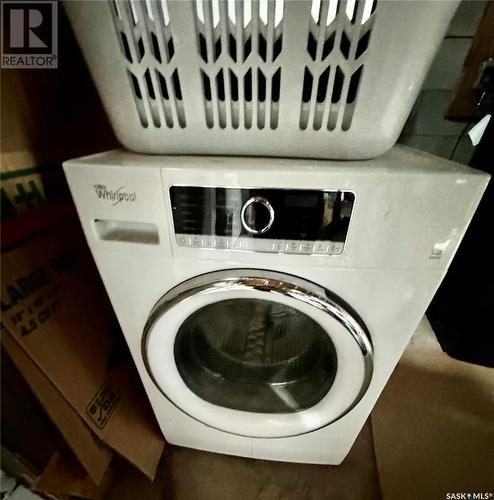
x,y
257,353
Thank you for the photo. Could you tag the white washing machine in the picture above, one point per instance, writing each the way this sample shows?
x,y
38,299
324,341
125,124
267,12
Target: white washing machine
x,y
266,301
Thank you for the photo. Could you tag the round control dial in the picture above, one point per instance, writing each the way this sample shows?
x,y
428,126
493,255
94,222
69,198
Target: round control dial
x,y
257,215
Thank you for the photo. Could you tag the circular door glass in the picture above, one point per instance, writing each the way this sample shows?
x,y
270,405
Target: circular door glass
x,y
255,355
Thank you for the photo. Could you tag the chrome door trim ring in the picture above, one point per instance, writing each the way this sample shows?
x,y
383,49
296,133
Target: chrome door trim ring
x,y
268,282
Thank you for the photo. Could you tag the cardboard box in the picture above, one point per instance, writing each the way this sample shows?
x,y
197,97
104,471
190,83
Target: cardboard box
x,y
59,329
93,455
65,475
56,319
29,437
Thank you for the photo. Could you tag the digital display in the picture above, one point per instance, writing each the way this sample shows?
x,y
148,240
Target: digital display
x,y
262,214
308,200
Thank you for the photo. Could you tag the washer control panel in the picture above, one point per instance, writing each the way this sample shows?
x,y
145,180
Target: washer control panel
x,y
295,221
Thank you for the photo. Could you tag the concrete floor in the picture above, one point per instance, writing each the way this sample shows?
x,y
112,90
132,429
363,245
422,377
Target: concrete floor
x,y
186,474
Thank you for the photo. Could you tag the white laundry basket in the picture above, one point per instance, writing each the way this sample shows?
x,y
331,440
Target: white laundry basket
x,y
320,78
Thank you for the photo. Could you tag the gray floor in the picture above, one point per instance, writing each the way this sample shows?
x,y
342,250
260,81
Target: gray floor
x,y
186,474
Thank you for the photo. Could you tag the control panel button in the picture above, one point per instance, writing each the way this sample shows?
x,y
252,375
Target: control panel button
x,y
279,246
335,247
222,243
293,247
183,241
236,244
257,215
321,247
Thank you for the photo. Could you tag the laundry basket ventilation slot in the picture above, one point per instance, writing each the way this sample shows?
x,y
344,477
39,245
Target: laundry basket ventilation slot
x,y
146,42
337,42
242,61
240,44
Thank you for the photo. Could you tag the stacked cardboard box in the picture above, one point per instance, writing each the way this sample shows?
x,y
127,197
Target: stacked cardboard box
x,y
59,329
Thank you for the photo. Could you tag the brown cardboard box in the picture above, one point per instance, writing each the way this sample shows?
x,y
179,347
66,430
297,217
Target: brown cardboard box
x,y
65,475
28,436
93,455
56,319
58,329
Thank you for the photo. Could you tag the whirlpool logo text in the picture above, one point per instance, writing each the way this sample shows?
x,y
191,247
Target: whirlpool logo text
x,y
115,196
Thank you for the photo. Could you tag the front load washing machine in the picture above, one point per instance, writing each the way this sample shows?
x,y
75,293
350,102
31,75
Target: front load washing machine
x,y
266,301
